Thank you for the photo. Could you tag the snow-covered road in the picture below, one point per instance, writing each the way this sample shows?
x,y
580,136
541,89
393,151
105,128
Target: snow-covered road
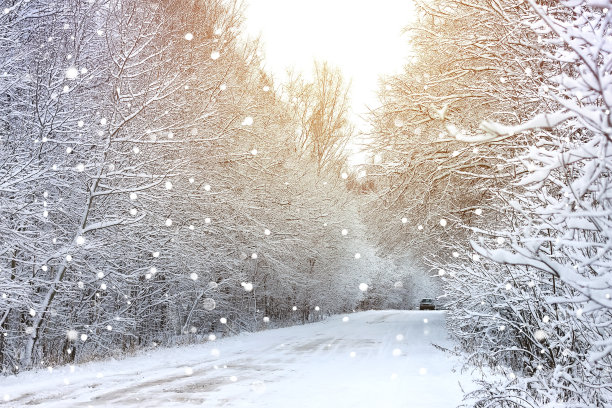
x,y
375,359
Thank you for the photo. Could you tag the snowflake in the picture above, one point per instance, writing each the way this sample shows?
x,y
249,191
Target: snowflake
x,y
540,335
72,73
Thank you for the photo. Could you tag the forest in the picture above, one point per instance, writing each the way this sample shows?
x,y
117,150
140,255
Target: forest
x,y
157,185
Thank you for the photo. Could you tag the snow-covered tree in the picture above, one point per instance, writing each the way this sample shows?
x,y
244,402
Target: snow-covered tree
x,y
558,249
151,184
470,62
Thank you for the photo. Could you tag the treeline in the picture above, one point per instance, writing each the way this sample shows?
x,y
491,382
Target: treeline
x,y
156,186
513,220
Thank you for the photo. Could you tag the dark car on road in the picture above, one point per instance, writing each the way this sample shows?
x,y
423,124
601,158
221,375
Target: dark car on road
x,y
427,304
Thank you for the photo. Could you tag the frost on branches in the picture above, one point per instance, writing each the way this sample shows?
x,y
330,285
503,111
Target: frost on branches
x,y
547,323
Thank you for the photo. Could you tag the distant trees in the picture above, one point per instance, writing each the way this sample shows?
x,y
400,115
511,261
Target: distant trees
x,y
151,184
322,109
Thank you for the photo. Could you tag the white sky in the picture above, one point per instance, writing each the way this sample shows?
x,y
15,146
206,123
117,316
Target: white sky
x,y
361,37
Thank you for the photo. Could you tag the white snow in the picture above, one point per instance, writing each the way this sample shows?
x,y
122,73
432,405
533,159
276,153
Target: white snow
x,y
376,359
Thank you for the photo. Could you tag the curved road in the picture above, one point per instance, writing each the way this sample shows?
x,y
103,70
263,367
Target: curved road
x,y
373,359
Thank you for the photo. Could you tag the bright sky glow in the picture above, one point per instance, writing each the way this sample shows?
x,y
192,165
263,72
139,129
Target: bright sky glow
x,y
361,37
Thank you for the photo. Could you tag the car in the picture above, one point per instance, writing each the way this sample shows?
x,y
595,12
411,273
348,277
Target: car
x,y
427,304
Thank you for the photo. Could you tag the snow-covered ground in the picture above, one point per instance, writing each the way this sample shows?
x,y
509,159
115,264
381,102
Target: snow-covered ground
x,y
373,359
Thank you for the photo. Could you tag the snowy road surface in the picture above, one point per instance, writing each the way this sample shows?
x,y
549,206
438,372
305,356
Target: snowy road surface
x,y
375,359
